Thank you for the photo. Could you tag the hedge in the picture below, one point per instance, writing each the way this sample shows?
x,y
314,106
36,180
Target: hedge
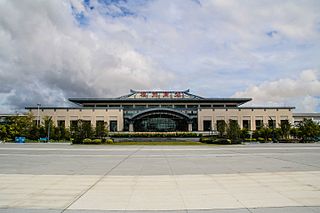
x,y
154,134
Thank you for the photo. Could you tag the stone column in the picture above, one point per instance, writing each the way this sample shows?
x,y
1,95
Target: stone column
x,y
190,127
131,127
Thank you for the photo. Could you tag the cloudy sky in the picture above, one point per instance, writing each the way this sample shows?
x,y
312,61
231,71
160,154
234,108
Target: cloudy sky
x,y
51,50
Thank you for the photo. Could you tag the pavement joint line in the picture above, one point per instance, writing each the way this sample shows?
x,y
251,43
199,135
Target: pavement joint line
x,y
175,181
99,179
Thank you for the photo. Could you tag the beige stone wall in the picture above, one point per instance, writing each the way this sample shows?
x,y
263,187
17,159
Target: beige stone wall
x,y
85,114
213,115
239,114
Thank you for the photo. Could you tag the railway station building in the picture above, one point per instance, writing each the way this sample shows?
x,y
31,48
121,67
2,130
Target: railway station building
x,y
163,111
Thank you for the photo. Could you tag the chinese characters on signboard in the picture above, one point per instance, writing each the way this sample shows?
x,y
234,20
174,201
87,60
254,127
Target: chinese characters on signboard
x,y
161,94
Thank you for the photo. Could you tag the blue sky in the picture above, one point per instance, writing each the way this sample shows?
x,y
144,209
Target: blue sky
x,y
267,50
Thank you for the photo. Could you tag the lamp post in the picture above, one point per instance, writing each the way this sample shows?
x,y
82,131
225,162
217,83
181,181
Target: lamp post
x,y
38,120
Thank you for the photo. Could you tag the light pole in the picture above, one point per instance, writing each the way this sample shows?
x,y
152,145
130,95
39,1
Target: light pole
x,y
38,120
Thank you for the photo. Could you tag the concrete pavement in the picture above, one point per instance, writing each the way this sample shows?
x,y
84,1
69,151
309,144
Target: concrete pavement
x,y
250,178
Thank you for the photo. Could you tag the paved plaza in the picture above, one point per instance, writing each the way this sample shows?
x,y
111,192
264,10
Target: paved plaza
x,y
259,178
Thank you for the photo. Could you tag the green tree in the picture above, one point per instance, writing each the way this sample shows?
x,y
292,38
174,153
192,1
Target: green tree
x,y
294,132
49,127
244,133
100,130
233,130
82,130
285,128
221,127
308,129
264,132
20,126
3,132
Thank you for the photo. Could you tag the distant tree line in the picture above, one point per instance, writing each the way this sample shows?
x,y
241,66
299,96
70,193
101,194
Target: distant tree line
x,y
26,126
305,131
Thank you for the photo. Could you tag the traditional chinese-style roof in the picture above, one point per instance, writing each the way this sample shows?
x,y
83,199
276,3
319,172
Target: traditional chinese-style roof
x,y
150,96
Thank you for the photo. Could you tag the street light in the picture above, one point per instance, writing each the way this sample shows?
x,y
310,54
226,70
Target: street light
x,y
38,120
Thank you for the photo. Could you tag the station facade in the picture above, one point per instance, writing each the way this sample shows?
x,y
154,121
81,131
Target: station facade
x,y
163,111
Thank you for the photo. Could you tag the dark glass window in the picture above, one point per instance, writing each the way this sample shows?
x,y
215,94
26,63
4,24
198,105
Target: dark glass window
x,y
166,106
205,105
283,122
113,126
272,124
259,124
160,123
61,123
73,125
206,125
246,124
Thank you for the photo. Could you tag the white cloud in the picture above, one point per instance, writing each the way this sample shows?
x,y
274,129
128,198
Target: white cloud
x,y
302,92
215,48
46,57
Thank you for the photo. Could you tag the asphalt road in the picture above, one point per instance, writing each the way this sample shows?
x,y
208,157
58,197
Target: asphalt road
x,y
242,178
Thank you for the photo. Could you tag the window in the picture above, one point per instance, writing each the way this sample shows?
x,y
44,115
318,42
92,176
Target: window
x,y
61,123
284,122
153,106
272,124
179,106
206,125
259,124
205,105
127,106
73,125
113,126
246,124
114,105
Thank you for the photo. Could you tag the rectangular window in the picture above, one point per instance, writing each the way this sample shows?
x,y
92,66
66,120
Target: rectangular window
x,y
113,126
61,123
283,122
179,106
192,106
127,106
153,106
272,124
259,124
246,124
206,125
205,105
73,125
166,106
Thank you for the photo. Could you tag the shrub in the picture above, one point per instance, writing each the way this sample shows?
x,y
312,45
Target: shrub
x,y
109,141
154,134
213,140
96,141
87,141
